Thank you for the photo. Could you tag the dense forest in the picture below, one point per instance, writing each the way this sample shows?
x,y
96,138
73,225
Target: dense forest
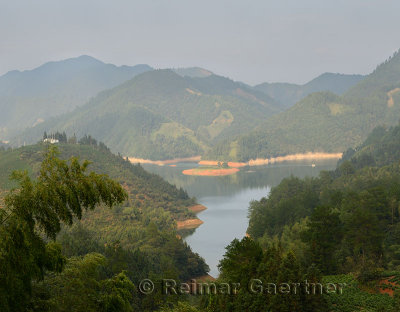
x,y
323,121
161,115
333,240
63,249
289,94
345,224
199,156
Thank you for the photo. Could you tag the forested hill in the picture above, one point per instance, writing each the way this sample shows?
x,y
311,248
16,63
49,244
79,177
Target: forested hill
x,y
323,122
151,198
102,256
288,94
192,72
149,193
374,163
146,189
162,115
32,96
344,224
381,148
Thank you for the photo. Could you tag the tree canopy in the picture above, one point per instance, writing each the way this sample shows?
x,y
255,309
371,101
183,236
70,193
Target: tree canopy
x,y
32,217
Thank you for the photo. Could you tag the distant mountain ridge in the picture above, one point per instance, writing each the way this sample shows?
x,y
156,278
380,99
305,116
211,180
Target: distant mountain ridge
x,y
323,121
32,96
288,94
192,72
162,115
174,113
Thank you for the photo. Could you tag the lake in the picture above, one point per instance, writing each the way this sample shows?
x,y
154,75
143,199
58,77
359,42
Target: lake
x,y
227,200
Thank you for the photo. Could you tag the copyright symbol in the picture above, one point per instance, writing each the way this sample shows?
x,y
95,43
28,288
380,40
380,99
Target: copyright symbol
x,y
146,287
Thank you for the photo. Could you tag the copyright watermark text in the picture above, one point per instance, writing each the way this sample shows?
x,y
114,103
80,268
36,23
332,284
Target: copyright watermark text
x,y
255,286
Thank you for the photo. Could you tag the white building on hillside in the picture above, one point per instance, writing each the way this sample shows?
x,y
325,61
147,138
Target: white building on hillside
x,y
50,140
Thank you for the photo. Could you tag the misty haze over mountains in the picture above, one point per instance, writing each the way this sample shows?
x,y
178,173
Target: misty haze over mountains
x,y
38,98
288,94
199,156
32,96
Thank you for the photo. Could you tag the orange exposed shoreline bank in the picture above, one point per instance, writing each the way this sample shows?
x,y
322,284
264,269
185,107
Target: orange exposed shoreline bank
x,y
188,224
273,160
197,208
252,162
234,166
215,163
191,223
164,162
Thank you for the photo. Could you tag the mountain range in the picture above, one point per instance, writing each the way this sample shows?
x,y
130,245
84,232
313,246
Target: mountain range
x,y
161,115
183,112
288,94
323,121
30,97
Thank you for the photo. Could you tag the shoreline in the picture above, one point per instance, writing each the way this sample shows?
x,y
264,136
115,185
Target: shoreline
x,y
197,208
191,223
135,160
235,164
231,164
294,157
234,167
278,159
188,224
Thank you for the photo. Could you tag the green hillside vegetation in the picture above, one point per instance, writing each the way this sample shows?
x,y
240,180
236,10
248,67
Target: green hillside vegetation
x,y
33,96
289,94
340,229
323,122
192,72
335,237
97,263
161,115
345,222
381,148
145,189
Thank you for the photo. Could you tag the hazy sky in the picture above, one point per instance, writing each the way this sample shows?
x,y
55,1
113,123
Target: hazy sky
x,y
248,40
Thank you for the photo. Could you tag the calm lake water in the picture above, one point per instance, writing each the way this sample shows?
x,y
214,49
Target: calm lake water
x,y
227,199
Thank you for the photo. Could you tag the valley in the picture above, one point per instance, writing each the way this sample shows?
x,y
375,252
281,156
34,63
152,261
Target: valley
x,y
162,115
115,175
227,199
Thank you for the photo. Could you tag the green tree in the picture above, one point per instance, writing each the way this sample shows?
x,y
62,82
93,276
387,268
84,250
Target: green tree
x,y
34,213
240,261
180,307
81,288
323,236
365,216
245,261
